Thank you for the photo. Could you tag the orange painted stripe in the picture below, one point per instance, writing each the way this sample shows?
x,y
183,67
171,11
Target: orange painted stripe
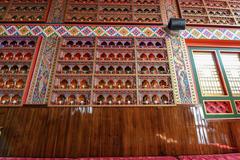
x,y
48,10
212,43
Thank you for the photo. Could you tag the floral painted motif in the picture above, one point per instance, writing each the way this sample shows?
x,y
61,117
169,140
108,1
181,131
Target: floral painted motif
x,y
43,72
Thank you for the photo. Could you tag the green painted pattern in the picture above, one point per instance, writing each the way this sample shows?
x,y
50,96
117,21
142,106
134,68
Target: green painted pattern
x,y
228,97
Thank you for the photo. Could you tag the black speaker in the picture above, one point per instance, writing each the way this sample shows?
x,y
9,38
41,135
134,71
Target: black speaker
x,y
177,24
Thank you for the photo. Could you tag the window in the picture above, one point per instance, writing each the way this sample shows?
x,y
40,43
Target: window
x,y
217,76
208,74
231,62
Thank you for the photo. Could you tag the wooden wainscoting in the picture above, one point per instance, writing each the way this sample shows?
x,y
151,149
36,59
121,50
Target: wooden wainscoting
x,y
78,132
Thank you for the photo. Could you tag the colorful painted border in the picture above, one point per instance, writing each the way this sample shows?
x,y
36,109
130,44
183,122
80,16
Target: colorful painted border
x,y
56,12
81,30
211,33
125,31
181,71
38,92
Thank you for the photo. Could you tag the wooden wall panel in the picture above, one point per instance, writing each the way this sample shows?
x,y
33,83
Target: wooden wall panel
x,y
75,132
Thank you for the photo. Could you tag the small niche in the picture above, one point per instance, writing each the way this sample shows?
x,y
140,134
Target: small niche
x,y
74,84
75,69
27,56
61,99
101,84
128,99
85,70
84,84
100,99
155,99
14,69
64,84
5,99
24,69
20,83
68,56
146,99
16,99
82,100
71,100
110,99
119,99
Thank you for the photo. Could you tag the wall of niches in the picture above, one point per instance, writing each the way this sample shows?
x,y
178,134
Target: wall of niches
x,y
111,71
198,12
118,11
85,11
52,46
24,11
17,61
203,12
151,54
42,82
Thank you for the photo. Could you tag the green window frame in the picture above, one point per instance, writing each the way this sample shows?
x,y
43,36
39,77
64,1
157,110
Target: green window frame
x,y
227,99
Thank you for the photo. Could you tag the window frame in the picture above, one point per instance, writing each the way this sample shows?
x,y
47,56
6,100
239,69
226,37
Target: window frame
x,y
222,73
219,72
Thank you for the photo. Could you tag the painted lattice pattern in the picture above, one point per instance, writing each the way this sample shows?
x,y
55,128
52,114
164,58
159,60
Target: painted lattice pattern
x,y
218,107
125,31
78,30
211,33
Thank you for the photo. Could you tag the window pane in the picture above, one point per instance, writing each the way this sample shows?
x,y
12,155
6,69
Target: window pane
x,y
231,62
208,75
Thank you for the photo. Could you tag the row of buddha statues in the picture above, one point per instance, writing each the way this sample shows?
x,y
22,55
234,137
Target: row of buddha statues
x,y
13,69
16,83
111,99
17,43
111,56
109,69
7,56
110,83
144,43
10,99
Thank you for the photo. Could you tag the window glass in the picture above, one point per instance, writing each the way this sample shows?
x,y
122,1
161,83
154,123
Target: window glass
x,y
208,75
231,62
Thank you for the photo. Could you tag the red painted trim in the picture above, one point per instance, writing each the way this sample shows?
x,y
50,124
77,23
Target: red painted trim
x,y
48,10
226,26
113,24
212,43
30,74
